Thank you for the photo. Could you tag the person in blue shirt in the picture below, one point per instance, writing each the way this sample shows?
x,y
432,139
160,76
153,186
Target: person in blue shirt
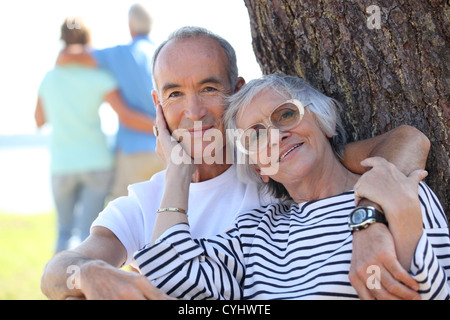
x,y
81,161
130,65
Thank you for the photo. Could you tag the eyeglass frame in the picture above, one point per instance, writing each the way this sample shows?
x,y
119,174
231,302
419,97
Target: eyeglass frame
x,y
296,102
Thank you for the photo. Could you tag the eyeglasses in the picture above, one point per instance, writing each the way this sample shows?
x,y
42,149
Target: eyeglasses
x,y
284,117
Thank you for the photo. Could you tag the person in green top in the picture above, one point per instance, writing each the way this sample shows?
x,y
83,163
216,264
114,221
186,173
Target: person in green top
x,y
81,162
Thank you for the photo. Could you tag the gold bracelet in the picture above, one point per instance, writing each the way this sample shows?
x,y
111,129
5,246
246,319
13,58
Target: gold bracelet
x,y
179,210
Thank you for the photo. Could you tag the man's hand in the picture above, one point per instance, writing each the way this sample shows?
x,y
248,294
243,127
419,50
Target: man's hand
x,y
398,198
90,271
375,272
100,281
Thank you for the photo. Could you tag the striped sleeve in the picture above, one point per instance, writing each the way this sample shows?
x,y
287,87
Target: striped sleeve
x,y
431,262
194,269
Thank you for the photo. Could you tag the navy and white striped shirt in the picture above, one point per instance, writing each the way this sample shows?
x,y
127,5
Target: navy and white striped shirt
x,y
301,251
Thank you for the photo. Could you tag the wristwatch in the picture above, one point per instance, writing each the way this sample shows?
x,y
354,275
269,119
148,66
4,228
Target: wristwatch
x,y
362,217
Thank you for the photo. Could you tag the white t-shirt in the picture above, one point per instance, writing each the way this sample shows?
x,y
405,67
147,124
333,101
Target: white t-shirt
x,y
213,206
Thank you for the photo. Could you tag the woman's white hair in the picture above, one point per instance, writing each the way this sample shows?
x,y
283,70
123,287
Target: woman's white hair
x,y
325,109
140,19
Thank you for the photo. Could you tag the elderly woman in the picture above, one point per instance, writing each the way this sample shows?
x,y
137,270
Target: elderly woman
x,y
301,247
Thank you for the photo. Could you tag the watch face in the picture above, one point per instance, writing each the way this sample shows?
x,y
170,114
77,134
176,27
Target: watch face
x,y
359,216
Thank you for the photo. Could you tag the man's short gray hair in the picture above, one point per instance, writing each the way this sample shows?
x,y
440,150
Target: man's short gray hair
x,y
140,19
326,111
190,32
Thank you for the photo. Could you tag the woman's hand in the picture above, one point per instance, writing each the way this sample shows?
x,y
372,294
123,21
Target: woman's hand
x,y
168,148
398,197
179,171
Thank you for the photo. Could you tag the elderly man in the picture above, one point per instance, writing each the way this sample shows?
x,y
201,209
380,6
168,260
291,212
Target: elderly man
x,y
194,70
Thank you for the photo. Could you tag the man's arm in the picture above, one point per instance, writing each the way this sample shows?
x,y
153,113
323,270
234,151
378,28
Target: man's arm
x,y
100,247
91,271
406,147
128,117
74,54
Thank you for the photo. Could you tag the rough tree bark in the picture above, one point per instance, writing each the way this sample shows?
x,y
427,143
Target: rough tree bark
x,y
387,61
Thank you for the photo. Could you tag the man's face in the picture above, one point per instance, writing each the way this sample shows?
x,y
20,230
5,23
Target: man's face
x,y
192,81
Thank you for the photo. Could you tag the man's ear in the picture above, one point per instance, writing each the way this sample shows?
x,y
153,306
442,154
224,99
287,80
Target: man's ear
x,y
155,98
240,82
264,178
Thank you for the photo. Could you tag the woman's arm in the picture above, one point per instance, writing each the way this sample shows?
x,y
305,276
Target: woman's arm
x,y
417,223
178,179
176,193
177,264
194,269
39,114
407,148
397,196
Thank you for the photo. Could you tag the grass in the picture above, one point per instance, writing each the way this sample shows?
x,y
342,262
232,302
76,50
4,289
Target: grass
x,y
26,244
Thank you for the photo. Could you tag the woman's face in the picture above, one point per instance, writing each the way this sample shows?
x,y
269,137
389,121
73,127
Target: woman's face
x,y
291,155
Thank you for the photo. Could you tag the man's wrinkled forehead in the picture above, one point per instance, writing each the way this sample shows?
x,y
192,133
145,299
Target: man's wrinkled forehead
x,y
180,56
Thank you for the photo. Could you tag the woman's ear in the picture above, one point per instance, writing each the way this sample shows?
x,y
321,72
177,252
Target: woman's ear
x,y
264,178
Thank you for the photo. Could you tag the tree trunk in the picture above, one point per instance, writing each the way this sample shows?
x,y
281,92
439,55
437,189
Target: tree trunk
x,y
388,64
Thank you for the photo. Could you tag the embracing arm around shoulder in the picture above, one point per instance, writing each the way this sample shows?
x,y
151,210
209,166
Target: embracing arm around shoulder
x,y
405,147
73,54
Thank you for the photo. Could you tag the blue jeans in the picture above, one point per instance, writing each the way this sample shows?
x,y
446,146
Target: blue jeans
x,y
79,198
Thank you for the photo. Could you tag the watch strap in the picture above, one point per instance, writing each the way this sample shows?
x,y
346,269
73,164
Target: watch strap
x,y
379,217
376,216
